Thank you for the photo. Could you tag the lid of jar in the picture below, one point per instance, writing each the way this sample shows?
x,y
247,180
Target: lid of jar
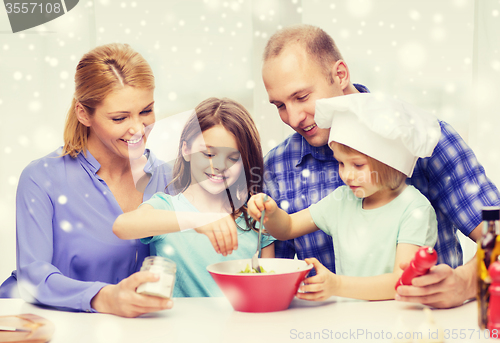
x,y
491,213
158,260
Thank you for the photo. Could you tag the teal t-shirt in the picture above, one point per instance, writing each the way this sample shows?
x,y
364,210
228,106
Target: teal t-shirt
x,y
365,240
192,252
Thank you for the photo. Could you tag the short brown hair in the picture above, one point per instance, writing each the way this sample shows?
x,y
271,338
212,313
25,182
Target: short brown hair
x,y
100,72
385,175
317,43
235,119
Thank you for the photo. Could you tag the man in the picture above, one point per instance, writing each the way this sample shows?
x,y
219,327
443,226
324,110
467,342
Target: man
x,y
302,64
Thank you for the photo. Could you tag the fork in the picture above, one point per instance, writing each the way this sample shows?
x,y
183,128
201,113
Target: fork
x,y
255,258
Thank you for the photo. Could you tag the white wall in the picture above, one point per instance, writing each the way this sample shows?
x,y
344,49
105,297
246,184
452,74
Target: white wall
x,y
439,55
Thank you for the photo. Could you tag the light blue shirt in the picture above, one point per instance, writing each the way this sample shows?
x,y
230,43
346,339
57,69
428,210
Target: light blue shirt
x,y
192,252
365,241
66,249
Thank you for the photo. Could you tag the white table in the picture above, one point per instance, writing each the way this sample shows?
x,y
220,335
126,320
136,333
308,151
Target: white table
x,y
214,320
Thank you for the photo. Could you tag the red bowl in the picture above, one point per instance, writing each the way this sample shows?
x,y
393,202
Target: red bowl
x,y
267,292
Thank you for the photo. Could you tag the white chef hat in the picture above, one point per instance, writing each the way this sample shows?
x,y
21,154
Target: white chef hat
x,y
391,131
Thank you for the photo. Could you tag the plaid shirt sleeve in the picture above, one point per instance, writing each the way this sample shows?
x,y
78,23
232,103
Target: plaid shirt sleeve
x,y
282,249
457,187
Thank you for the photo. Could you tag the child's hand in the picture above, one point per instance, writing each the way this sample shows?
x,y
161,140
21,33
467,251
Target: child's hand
x,y
256,205
320,286
222,233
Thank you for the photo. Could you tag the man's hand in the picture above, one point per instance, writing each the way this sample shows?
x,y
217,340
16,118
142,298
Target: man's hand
x,y
442,287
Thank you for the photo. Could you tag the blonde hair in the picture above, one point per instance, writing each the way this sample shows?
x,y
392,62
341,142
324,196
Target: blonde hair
x,y
317,43
386,176
100,72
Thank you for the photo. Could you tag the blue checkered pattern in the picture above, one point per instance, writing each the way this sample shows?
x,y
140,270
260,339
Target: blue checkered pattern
x,y
299,175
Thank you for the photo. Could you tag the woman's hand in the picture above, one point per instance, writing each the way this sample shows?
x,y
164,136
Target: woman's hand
x,y
122,299
320,286
256,205
222,233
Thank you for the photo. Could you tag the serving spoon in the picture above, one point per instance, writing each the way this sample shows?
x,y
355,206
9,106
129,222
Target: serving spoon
x,y
255,258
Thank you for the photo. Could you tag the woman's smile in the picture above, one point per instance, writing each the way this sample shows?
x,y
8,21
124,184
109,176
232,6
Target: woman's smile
x,y
133,142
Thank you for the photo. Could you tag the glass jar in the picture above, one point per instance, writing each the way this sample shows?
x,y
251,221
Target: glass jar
x,y
165,269
488,250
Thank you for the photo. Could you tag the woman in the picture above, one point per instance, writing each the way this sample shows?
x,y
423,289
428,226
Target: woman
x,y
67,254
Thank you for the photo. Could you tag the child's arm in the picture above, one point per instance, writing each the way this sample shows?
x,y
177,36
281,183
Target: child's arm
x,y
147,221
278,223
381,287
268,252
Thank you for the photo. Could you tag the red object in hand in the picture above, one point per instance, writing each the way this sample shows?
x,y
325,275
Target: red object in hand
x,y
424,259
494,306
